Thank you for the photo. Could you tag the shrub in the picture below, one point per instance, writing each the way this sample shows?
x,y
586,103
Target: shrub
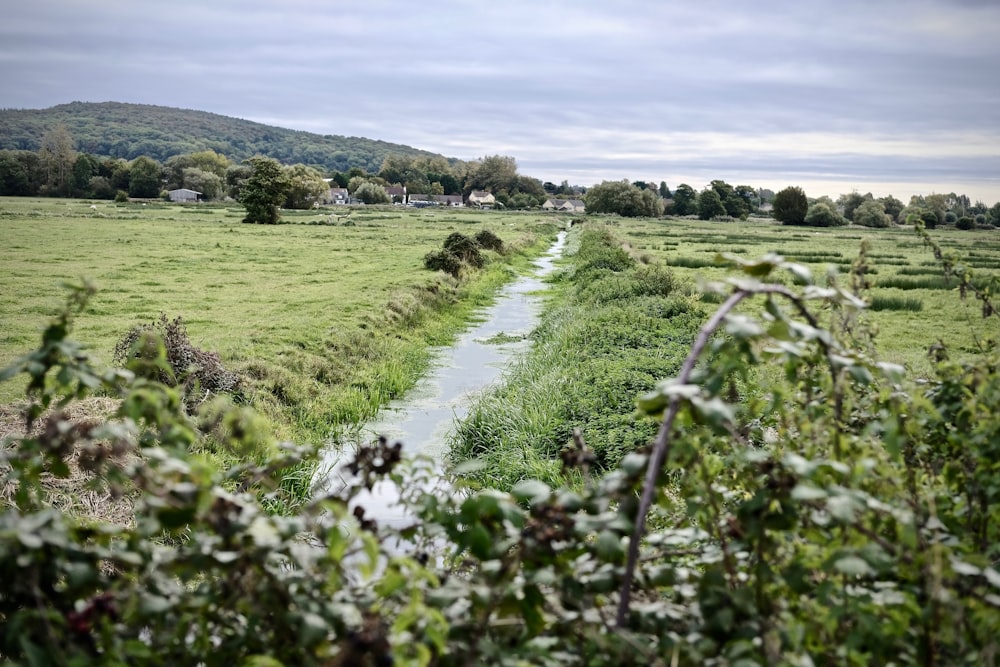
x,y
121,197
488,240
791,206
950,218
930,219
821,215
443,260
965,222
196,372
465,248
871,213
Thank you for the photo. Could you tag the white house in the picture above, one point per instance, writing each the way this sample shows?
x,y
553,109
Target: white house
x,y
481,198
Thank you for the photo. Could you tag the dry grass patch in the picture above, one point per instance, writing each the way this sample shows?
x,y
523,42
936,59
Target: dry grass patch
x,y
84,493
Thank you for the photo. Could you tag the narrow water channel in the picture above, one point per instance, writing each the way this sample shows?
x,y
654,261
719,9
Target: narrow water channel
x,y
425,417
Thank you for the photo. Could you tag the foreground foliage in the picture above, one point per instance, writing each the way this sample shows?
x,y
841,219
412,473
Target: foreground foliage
x,y
845,516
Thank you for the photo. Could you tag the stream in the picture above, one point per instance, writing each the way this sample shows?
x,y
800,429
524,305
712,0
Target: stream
x,y
425,417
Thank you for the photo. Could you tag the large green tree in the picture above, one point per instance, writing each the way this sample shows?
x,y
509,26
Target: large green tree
x,y
685,200
871,213
372,193
710,205
823,214
624,199
84,168
264,190
306,187
791,206
893,207
208,161
145,178
493,174
851,201
208,183
57,156
21,173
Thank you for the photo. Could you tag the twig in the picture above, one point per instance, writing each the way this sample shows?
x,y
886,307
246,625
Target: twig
x,y
663,443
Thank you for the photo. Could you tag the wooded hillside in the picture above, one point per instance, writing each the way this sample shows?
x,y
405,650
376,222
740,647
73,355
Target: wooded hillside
x,y
127,131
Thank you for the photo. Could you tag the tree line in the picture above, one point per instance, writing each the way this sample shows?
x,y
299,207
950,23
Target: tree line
x,y
58,169
720,200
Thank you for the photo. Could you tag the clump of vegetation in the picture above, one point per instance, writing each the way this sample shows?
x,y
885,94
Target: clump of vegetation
x,y
821,214
488,240
443,260
198,373
896,303
460,250
465,248
691,262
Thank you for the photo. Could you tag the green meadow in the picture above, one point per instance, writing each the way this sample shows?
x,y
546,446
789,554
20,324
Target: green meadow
x,y
624,312
913,306
328,316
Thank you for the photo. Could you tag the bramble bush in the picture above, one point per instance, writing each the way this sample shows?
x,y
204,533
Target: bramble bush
x,y
842,515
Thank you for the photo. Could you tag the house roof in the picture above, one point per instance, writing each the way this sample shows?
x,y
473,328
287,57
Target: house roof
x,y
395,190
186,190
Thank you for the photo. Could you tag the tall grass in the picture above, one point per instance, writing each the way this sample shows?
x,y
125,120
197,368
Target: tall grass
x,y
691,262
880,302
607,335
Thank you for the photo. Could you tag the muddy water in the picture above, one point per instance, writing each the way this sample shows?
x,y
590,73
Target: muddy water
x,y
423,420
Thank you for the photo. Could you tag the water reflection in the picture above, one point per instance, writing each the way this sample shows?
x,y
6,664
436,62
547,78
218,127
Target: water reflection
x,y
423,420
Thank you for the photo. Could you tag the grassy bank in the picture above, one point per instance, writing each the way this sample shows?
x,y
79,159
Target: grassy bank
x,y
613,327
326,318
616,326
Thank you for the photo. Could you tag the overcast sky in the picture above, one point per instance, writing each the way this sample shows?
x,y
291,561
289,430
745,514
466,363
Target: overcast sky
x,y
888,96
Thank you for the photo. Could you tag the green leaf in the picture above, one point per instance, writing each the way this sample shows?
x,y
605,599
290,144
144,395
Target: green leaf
x,y
153,605
799,271
609,546
807,492
29,540
36,656
532,491
853,566
479,541
842,507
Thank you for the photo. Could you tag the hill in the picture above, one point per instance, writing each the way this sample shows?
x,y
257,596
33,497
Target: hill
x,y
127,131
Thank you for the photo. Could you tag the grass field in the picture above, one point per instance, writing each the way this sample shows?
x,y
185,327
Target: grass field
x,y
328,319
913,306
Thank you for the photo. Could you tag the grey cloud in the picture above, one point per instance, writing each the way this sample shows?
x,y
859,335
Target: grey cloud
x,y
543,78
